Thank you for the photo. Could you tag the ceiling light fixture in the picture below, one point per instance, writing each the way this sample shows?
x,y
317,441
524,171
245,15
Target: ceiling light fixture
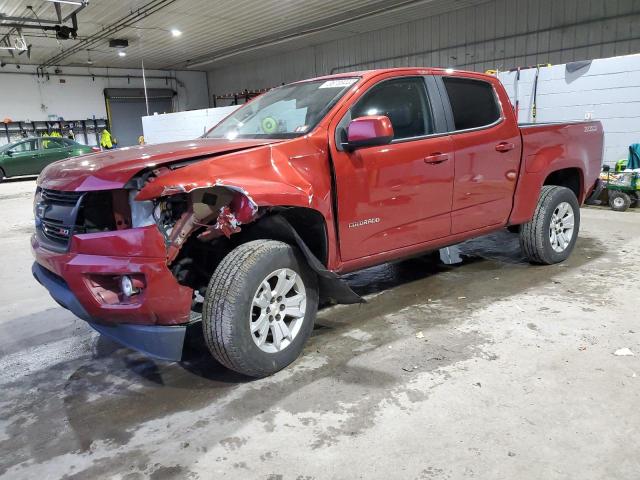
x,y
175,32
122,54
70,2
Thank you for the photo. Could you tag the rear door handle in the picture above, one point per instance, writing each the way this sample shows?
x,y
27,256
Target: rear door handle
x,y
436,158
504,147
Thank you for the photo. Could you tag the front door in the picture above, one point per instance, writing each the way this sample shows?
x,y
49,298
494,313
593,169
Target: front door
x,y
395,195
22,158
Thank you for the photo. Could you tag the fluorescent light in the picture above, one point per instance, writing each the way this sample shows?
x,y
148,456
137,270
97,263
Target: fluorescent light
x,y
122,54
70,2
175,32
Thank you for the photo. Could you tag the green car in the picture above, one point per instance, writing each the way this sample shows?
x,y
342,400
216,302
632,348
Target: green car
x,y
31,155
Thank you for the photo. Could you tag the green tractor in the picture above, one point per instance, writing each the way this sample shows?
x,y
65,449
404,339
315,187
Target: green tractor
x,y
623,184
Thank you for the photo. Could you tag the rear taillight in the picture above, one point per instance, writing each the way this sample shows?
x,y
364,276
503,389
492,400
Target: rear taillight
x,y
96,149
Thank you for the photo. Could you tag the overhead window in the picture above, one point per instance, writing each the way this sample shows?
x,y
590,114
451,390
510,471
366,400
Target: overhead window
x,y
404,101
472,101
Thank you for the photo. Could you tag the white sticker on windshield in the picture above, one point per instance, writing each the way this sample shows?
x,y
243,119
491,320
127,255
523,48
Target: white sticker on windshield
x,y
343,82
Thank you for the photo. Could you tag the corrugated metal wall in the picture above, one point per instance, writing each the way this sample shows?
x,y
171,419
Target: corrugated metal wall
x,y
497,34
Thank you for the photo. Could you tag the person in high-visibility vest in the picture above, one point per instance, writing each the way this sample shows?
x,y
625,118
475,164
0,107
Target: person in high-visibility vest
x,y
56,133
45,143
106,141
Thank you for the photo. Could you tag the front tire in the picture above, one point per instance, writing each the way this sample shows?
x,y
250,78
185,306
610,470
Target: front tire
x,y
551,234
260,307
3,176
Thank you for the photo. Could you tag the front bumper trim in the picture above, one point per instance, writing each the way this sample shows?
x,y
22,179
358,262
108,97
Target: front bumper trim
x,y
60,291
158,341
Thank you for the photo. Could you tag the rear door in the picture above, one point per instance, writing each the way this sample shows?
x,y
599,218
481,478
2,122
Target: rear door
x,y
53,149
487,145
395,195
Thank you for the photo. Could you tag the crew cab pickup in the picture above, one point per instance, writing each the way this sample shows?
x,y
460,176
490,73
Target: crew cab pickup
x,y
246,229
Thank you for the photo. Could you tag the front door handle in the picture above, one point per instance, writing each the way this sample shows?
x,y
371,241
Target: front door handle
x,y
436,158
503,147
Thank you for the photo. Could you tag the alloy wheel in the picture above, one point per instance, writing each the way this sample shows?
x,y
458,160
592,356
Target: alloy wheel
x,y
277,310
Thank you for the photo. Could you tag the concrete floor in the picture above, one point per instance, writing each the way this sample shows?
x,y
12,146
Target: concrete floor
x,y
490,369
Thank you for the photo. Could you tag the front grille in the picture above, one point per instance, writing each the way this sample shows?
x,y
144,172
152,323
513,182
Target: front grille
x,y
56,196
56,232
56,214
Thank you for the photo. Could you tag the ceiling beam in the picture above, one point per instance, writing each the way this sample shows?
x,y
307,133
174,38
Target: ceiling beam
x,y
107,32
370,10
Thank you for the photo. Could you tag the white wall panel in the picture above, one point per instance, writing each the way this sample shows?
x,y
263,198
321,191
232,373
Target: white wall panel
x,y
172,127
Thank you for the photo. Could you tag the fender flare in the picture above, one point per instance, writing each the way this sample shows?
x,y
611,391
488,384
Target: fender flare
x,y
331,285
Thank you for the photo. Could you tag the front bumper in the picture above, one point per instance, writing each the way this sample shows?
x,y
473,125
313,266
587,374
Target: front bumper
x,y
91,268
163,342
84,281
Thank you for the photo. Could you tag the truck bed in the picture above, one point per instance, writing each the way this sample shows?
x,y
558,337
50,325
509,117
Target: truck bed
x,y
556,147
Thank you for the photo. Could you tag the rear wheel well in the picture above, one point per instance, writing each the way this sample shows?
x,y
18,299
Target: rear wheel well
x,y
570,178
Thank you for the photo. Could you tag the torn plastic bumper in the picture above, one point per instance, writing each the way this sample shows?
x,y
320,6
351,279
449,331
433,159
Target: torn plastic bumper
x,y
158,341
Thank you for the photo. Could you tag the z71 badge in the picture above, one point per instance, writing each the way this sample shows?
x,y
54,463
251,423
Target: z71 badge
x,y
362,223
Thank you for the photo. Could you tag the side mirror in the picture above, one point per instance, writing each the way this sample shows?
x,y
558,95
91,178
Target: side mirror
x,y
368,132
9,153
606,168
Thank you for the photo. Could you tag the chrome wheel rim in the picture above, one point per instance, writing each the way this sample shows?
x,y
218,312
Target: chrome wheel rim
x,y
618,202
277,310
561,227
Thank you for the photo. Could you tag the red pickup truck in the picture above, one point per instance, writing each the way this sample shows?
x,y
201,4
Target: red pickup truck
x,y
246,229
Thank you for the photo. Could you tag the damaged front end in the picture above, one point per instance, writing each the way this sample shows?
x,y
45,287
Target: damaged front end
x,y
212,212
201,224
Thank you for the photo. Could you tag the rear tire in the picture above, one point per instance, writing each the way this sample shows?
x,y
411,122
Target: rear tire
x,y
3,176
252,323
619,201
551,234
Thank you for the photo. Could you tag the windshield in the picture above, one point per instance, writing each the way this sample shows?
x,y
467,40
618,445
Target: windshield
x,y
284,112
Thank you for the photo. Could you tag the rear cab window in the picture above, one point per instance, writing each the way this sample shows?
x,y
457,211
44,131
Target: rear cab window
x,y
473,102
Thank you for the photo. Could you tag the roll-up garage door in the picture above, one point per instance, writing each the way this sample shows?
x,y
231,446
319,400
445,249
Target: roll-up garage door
x,y
126,107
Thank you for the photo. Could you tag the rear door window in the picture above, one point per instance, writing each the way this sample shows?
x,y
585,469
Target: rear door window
x,y
473,102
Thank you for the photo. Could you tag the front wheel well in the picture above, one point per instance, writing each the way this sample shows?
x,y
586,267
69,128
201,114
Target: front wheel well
x,y
198,260
570,178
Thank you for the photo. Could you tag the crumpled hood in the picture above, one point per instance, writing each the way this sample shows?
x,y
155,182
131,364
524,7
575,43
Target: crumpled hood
x,y
112,169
